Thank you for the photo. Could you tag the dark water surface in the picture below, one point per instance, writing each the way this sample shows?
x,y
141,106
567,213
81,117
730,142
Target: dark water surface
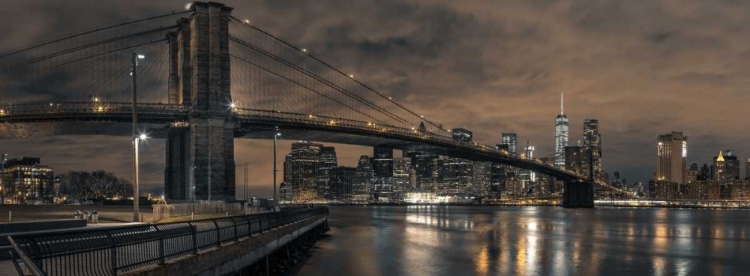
x,y
458,240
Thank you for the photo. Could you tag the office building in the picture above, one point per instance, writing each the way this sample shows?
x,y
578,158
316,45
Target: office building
x,y
341,180
671,153
402,175
301,168
362,185
510,139
592,149
327,162
25,180
456,175
726,167
732,165
561,136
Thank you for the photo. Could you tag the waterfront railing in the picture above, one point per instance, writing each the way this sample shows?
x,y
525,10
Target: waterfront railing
x,y
114,251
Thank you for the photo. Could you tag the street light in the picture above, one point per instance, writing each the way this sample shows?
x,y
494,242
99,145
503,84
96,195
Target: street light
x,y
276,134
134,74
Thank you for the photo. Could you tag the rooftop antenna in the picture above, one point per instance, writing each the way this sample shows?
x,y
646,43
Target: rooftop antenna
x,y
562,98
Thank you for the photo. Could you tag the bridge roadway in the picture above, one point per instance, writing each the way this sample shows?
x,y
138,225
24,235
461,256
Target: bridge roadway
x,y
114,118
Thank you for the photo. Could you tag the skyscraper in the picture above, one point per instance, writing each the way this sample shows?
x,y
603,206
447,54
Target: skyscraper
x,y
302,165
732,165
592,149
382,165
528,175
363,179
511,139
671,153
719,167
402,171
561,136
341,183
327,162
747,168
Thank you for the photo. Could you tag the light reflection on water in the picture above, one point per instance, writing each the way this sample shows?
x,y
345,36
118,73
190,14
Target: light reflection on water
x,y
457,240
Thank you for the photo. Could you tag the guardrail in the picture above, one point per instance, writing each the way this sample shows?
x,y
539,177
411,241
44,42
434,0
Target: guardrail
x,y
118,250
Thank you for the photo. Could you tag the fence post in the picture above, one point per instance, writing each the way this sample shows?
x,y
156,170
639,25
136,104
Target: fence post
x,y
113,248
195,237
218,233
249,226
161,245
236,234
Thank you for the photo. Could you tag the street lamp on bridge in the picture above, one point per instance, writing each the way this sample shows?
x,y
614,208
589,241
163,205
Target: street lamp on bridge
x,y
136,139
276,134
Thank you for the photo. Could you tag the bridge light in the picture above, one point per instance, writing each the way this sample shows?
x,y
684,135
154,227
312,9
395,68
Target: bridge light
x,y
278,134
421,116
96,100
188,5
351,76
390,98
143,136
304,50
233,105
141,56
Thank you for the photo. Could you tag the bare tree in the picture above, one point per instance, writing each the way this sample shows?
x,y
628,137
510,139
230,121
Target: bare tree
x,y
94,185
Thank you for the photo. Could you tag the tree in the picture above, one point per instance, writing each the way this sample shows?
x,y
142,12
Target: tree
x,y
96,185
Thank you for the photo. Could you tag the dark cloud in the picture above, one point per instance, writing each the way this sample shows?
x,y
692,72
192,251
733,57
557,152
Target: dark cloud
x,y
643,68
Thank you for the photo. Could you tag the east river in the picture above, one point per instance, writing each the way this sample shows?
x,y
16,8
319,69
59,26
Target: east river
x,y
483,240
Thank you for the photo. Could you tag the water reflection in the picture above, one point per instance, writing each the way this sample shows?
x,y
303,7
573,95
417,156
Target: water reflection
x,y
452,240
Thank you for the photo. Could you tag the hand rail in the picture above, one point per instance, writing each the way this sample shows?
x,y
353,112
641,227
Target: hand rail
x,y
26,260
121,249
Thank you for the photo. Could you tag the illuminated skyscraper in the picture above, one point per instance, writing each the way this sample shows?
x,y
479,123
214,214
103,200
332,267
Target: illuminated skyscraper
x,y
301,168
592,148
672,158
511,139
561,136
726,166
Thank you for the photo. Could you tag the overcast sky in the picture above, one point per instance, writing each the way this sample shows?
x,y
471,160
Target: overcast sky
x,y
643,68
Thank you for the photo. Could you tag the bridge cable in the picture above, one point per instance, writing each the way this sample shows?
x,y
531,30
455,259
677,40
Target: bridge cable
x,y
342,73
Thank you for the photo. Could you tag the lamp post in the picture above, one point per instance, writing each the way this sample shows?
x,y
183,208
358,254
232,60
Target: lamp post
x,y
134,74
276,134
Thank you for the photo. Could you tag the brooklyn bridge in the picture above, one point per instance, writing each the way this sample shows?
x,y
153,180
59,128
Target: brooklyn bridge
x,y
205,78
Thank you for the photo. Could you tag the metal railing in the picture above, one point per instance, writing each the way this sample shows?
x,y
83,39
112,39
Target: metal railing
x,y
117,250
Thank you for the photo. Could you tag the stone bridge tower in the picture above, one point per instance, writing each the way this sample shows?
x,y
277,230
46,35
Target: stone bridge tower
x,y
200,152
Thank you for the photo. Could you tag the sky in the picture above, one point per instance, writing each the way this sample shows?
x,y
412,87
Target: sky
x,y
642,68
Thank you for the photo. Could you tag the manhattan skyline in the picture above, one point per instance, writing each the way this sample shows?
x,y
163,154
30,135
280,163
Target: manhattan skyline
x,y
489,70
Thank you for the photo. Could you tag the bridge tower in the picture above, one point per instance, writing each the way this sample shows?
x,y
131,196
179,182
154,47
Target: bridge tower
x,y
200,152
580,194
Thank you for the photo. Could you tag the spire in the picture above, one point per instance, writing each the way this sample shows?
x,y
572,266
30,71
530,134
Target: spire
x,y
562,98
720,158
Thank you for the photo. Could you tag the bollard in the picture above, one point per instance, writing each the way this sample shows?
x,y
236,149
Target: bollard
x,y
227,214
10,216
94,217
192,215
78,214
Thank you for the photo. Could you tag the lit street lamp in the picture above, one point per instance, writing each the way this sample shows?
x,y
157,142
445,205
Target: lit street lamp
x,y
136,139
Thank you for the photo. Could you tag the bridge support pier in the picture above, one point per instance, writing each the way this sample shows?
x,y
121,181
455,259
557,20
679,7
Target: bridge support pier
x,y
578,194
200,152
